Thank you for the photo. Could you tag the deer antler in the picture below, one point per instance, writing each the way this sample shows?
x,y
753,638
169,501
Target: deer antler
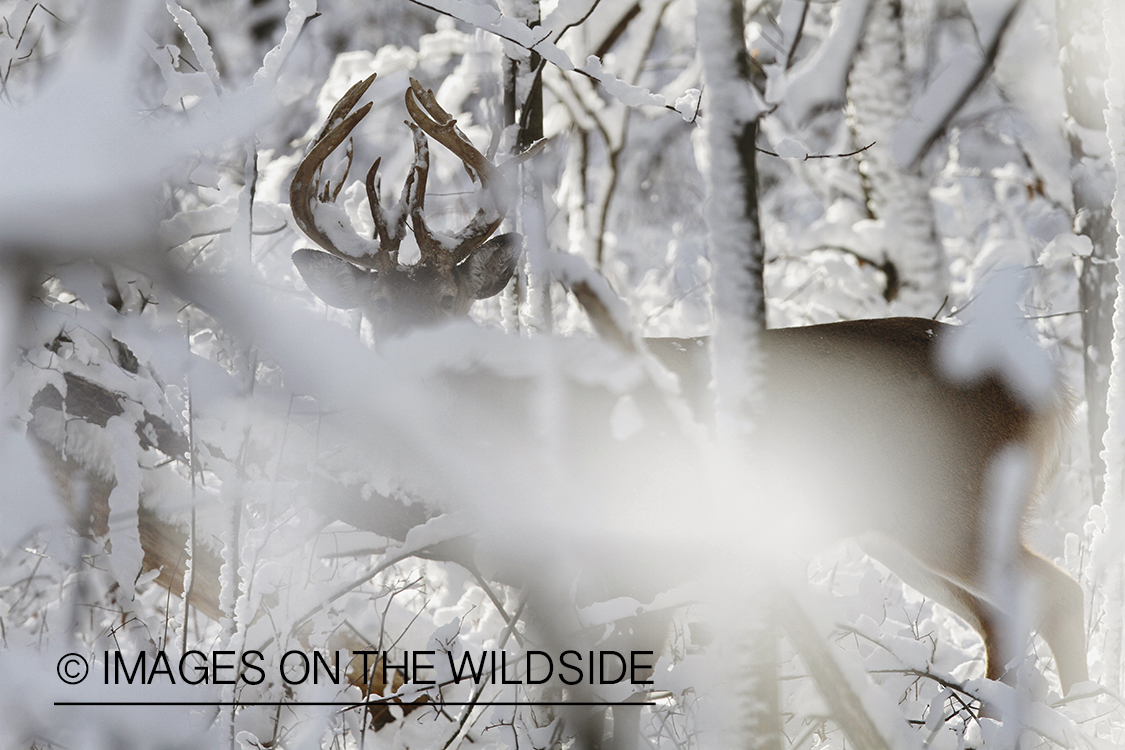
x,y
305,196
435,122
318,217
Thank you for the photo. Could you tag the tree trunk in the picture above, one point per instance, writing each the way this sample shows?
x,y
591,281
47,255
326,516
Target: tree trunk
x,y
732,108
1110,545
878,96
523,106
1084,62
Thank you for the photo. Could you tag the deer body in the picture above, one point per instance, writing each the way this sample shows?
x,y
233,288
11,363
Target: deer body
x,y
862,432
859,429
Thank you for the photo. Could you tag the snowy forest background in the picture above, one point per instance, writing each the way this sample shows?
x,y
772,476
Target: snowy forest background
x,y
164,361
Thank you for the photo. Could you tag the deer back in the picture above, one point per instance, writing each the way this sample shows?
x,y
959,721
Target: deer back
x,y
861,412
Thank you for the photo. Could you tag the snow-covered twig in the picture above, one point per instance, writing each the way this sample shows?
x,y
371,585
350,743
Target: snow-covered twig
x,y
488,19
939,104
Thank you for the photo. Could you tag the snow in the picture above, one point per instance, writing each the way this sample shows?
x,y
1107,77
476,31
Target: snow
x,y
819,80
146,250
124,502
962,71
197,38
203,222
26,477
626,93
996,340
1065,247
299,10
791,149
1109,546
688,104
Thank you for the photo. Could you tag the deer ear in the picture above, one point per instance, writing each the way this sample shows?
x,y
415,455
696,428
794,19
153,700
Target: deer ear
x,y
334,280
488,269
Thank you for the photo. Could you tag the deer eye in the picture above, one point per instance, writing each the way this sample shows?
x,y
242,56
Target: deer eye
x,y
446,302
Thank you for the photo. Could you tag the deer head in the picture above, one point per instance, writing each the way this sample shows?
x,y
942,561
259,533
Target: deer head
x,y
452,271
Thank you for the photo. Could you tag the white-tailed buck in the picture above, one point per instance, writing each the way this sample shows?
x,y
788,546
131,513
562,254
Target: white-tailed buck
x,y
452,271
864,433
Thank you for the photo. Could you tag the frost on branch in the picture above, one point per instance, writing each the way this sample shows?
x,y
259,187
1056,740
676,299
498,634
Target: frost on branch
x,y
819,81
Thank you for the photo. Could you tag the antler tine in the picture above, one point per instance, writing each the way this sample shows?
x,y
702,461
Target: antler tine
x,y
390,225
334,193
435,122
347,101
440,125
431,248
388,230
304,189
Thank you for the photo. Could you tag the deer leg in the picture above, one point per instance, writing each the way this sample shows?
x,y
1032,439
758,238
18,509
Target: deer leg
x,y
995,629
1057,612
1059,608
1061,618
982,617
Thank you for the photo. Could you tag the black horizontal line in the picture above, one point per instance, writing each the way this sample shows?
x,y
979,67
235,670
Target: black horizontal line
x,y
354,704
